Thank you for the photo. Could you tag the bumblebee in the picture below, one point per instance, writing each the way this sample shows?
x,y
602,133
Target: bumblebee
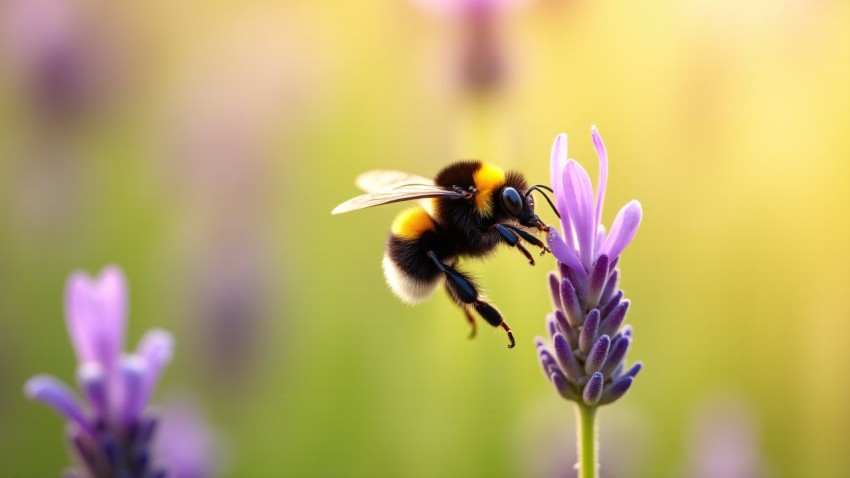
x,y
466,211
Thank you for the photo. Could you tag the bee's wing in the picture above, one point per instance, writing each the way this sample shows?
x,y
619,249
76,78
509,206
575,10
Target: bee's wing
x,y
397,193
384,179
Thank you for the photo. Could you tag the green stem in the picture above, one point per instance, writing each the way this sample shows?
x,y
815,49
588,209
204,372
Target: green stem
x,y
588,460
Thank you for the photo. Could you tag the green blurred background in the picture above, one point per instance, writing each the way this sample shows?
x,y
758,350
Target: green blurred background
x,y
204,145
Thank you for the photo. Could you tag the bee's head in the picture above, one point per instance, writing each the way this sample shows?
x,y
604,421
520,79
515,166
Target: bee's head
x,y
521,207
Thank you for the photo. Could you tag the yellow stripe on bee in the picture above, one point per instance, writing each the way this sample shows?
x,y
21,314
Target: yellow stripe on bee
x,y
411,223
487,178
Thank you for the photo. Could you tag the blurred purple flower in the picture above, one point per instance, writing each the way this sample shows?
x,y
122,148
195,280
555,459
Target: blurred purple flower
x,y
587,360
55,46
185,445
481,65
110,433
725,443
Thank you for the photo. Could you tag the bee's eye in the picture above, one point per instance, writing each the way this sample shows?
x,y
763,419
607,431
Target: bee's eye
x,y
512,201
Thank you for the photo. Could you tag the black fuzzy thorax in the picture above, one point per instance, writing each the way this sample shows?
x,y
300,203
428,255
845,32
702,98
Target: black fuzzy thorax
x,y
461,219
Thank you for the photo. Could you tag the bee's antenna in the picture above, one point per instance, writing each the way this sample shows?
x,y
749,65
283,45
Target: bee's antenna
x,y
538,187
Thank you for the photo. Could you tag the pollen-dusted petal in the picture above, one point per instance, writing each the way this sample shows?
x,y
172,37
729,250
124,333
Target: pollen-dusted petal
x,y
561,250
566,359
91,378
598,354
623,231
603,171
598,275
611,324
616,355
614,391
593,389
572,306
580,207
587,336
555,289
563,386
54,393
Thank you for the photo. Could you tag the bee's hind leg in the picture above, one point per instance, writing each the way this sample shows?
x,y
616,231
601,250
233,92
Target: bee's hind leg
x,y
463,291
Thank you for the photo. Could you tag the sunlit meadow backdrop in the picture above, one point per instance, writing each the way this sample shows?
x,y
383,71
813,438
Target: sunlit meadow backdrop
x,y
202,147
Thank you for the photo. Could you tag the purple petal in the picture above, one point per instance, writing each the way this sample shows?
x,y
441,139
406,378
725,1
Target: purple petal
x,y
566,359
572,307
79,315
54,393
557,164
155,349
133,373
593,389
110,296
587,336
603,171
611,324
633,371
579,199
95,313
563,251
618,351
555,289
91,378
561,319
610,286
616,390
612,304
551,324
597,280
598,354
563,385
623,231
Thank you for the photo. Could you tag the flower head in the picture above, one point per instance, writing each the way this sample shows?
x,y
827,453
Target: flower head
x,y
110,430
589,344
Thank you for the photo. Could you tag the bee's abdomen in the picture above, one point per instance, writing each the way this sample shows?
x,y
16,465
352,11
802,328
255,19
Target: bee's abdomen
x,y
409,271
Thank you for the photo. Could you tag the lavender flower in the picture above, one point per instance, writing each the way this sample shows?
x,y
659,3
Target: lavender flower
x,y
110,434
482,64
186,445
586,362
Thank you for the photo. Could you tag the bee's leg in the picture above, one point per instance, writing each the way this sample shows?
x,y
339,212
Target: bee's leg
x,y
513,240
463,291
466,312
529,237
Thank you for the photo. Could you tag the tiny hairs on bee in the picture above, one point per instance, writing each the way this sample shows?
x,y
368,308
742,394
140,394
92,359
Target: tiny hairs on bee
x,y
466,211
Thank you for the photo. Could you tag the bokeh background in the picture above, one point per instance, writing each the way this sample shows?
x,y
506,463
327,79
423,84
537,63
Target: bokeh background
x,y
202,145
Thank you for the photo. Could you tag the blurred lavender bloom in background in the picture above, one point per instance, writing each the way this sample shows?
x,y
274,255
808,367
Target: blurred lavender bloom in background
x,y
111,432
185,445
481,64
64,56
65,62
724,442
587,360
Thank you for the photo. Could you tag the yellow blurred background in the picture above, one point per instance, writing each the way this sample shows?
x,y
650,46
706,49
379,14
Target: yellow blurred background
x,y
202,145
